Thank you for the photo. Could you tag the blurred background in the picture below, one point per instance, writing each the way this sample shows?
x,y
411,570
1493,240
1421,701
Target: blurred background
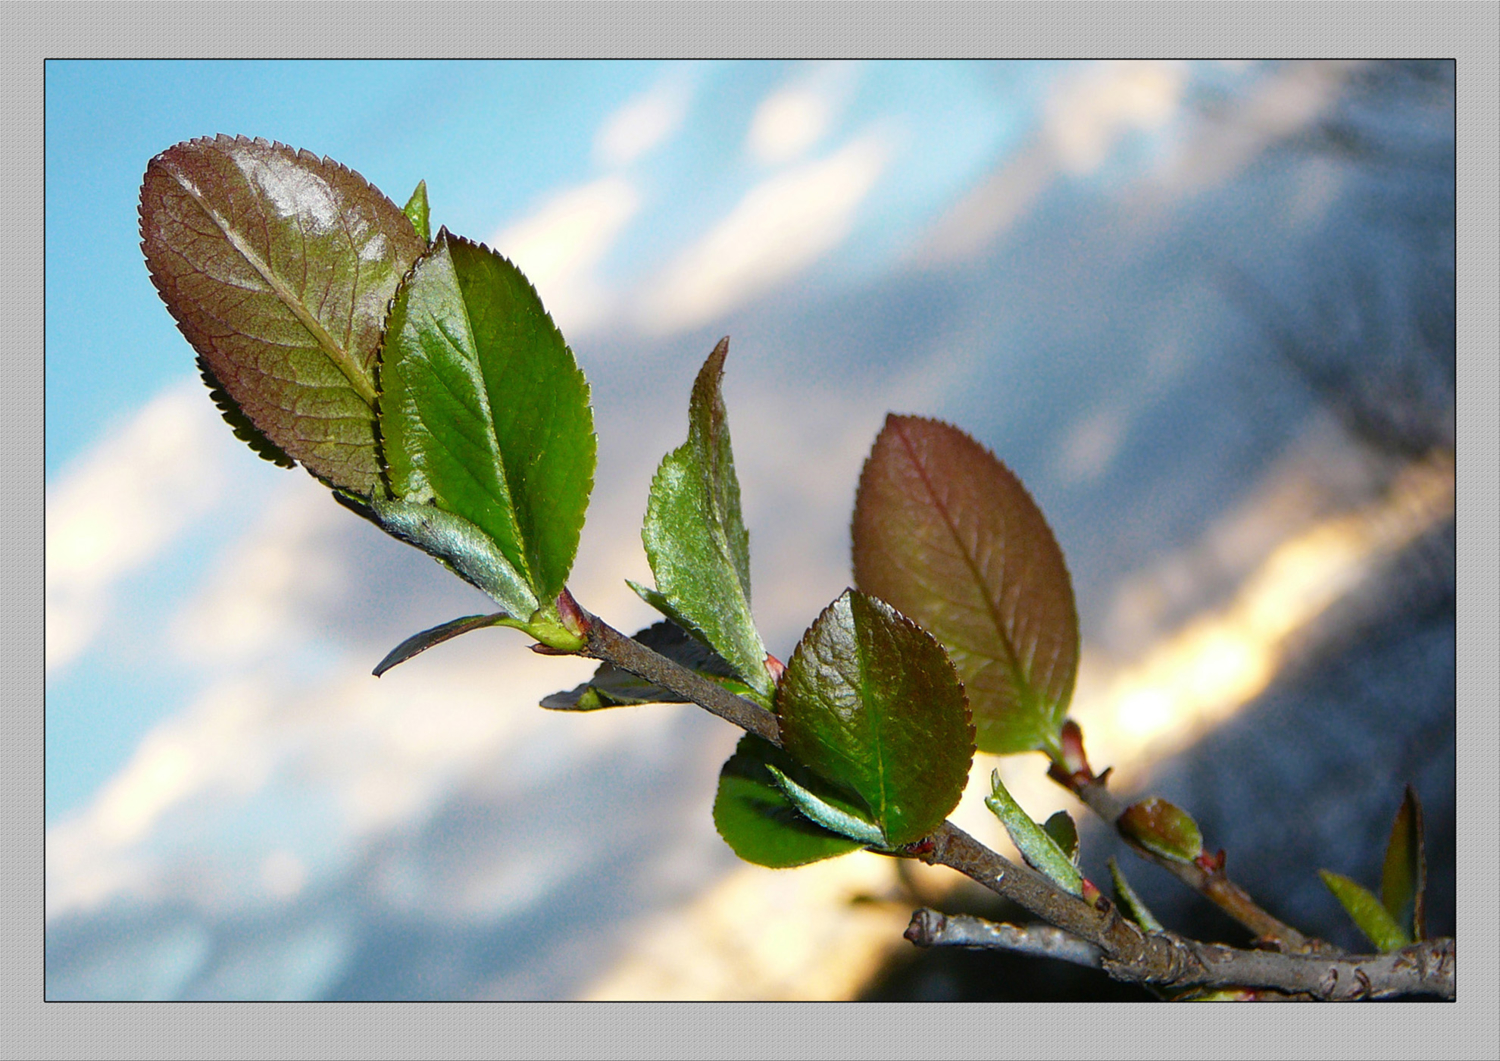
x,y
1204,310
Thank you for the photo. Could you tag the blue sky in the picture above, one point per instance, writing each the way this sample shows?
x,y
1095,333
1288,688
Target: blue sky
x,y
1035,251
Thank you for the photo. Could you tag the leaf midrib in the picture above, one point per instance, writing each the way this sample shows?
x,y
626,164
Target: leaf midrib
x,y
1011,661
358,379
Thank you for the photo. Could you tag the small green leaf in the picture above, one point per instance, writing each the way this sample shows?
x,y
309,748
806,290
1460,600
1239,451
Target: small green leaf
x,y
949,536
1366,911
1163,829
675,617
278,267
463,548
869,701
612,687
419,643
416,212
1403,880
695,537
1064,834
758,820
484,411
1036,845
826,814
1134,907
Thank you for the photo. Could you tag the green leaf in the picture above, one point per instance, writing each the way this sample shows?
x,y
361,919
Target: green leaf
x,y
1163,829
484,411
695,537
278,267
949,536
1135,908
416,212
419,643
870,702
758,820
1036,845
612,687
1064,833
1403,880
828,815
1367,912
461,547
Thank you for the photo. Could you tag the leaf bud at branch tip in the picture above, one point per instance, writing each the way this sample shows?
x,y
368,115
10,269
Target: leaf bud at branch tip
x,y
775,668
573,617
1074,761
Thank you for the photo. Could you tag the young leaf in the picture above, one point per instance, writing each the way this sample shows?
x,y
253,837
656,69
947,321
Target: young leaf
x,y
869,701
949,536
278,267
1134,908
828,815
1163,829
483,410
416,644
460,546
612,687
1366,911
416,212
1038,848
695,537
758,820
1064,833
1403,881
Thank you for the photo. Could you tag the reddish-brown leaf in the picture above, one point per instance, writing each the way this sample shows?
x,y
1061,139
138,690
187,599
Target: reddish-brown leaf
x,y
278,267
949,536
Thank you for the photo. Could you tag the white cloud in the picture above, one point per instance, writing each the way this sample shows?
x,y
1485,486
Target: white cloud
x,y
1089,113
559,245
778,229
123,504
799,114
643,123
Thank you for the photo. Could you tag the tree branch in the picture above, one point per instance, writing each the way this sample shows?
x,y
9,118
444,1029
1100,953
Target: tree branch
x,y
1209,879
929,928
1159,959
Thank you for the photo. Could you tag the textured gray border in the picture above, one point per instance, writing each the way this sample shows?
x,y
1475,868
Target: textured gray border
x,y
31,32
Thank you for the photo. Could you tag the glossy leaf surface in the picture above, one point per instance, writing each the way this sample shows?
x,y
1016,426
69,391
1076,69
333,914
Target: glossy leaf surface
x,y
460,546
1367,912
1403,879
695,537
870,701
1064,833
416,212
278,267
1163,829
612,687
483,410
949,536
758,820
1036,844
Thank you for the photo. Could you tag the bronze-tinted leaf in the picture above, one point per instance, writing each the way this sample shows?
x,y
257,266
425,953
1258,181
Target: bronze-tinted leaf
x,y
278,267
949,536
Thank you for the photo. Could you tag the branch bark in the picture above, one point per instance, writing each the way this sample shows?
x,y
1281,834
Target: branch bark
x,y
1212,883
1158,959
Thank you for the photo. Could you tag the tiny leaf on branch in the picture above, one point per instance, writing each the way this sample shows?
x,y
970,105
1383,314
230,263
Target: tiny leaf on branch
x,y
870,701
416,212
949,536
695,537
416,644
1064,833
613,687
1037,845
278,267
1130,902
1372,918
759,821
1403,879
1163,829
484,412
